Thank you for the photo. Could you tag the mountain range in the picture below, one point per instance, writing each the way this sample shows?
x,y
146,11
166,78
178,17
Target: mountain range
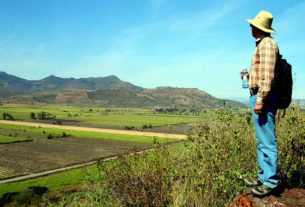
x,y
107,91
12,85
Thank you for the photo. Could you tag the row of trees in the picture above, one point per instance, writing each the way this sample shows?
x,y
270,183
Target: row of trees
x,y
42,115
7,116
143,127
194,111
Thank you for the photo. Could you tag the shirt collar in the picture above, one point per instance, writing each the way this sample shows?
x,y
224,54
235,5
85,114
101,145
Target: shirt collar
x,y
259,39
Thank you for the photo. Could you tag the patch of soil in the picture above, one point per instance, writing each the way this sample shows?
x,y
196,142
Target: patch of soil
x,y
189,128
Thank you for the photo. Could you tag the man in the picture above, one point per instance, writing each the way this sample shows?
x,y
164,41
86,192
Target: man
x,y
263,104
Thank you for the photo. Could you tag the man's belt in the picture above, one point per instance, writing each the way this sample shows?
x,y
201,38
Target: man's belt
x,y
253,91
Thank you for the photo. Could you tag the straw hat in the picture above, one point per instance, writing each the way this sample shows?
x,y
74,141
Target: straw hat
x,y
263,21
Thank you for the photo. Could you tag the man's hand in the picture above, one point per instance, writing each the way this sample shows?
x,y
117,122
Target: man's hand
x,y
258,108
241,75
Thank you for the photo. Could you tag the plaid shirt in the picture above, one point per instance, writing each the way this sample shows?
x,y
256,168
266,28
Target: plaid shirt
x,y
262,67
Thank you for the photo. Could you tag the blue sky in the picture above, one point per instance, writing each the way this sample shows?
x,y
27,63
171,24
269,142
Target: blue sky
x,y
179,43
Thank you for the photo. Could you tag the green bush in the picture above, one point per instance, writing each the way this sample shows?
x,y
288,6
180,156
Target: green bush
x,y
7,116
28,197
42,115
129,127
291,132
32,115
148,186
50,136
45,115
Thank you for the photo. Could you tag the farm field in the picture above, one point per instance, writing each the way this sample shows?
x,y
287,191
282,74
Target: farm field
x,y
10,139
52,182
88,132
58,181
64,139
99,117
54,148
45,154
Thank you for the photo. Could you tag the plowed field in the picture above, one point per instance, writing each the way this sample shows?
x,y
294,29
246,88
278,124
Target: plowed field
x,y
44,154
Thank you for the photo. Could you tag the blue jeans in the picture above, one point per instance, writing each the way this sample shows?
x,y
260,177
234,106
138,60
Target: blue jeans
x,y
267,151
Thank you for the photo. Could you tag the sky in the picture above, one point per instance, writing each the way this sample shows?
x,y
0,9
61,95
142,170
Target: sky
x,y
150,43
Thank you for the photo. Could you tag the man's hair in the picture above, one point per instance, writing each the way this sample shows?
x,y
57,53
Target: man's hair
x,y
261,31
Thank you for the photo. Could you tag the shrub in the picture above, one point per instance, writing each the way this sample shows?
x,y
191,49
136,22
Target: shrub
x,y
137,184
50,136
129,127
7,116
291,132
7,198
42,115
32,115
65,135
28,197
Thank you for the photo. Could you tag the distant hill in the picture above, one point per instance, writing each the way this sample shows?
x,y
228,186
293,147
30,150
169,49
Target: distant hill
x,y
299,102
120,98
12,85
105,92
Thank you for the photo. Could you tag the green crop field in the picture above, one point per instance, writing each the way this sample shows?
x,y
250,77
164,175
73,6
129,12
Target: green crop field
x,y
10,139
101,116
52,182
88,134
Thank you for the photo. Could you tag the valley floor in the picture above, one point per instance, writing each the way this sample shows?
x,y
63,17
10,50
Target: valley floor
x,y
112,131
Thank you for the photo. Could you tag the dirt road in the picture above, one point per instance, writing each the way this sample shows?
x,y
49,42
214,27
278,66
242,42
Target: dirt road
x,y
112,131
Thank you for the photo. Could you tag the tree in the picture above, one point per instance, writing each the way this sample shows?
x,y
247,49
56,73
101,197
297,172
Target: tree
x,y
42,115
7,115
32,115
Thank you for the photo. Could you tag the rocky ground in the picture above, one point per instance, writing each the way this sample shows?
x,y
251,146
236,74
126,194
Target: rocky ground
x,y
282,198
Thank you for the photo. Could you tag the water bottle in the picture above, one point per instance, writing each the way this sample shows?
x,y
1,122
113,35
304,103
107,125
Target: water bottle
x,y
245,82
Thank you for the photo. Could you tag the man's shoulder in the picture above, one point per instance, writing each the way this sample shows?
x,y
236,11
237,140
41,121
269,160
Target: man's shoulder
x,y
268,41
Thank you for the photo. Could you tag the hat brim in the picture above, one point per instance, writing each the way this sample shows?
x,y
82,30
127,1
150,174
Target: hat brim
x,y
260,27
